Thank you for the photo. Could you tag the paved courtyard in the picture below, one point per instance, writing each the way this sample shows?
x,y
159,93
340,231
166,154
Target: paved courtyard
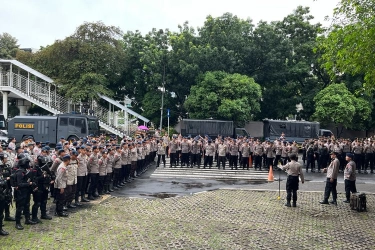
x,y
220,219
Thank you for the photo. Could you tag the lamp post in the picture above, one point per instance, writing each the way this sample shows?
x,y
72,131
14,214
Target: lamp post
x,y
162,100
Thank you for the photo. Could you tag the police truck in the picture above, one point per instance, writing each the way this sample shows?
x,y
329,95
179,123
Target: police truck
x,y
52,128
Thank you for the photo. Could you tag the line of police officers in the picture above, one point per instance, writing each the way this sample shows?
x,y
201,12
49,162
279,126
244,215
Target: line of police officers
x,y
187,151
90,166
316,153
198,151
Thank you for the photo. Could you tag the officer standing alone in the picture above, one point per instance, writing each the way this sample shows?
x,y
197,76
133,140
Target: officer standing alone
x,y
294,171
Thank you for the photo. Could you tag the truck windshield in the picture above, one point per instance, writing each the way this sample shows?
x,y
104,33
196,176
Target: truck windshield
x,y
93,126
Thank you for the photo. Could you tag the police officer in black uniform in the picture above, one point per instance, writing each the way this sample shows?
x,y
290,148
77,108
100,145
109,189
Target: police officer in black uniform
x,y
22,183
6,171
42,179
4,192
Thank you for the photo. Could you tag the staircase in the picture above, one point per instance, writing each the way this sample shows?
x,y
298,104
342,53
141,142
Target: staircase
x,y
42,95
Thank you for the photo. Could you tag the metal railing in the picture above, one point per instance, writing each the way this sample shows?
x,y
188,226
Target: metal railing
x,y
41,94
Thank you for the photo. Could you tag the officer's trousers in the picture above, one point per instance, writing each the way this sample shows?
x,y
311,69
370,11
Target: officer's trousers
x,y
221,161
23,204
81,186
162,157
40,198
208,160
93,183
331,187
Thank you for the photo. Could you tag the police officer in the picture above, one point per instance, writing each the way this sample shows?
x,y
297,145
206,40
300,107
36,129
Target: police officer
x,y
209,154
173,147
294,171
108,178
233,151
117,169
102,171
258,152
4,192
93,168
221,152
60,185
71,184
6,171
331,183
22,184
81,176
161,153
185,150
43,180
245,153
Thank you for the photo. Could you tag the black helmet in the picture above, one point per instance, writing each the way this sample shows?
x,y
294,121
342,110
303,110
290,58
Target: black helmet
x,y
23,161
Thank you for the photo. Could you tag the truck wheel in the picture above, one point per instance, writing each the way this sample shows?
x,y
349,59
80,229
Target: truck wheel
x,y
73,137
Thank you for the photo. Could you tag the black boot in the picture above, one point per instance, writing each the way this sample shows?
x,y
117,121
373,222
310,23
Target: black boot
x,y
106,189
30,222
63,214
46,217
70,205
294,204
9,218
2,232
19,226
110,189
36,220
324,201
83,199
288,204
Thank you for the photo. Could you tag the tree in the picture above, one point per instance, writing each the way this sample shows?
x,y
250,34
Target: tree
x,y
336,104
348,48
88,62
8,46
289,71
220,95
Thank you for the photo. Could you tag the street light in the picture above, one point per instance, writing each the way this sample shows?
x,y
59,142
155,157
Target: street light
x,y
162,106
162,100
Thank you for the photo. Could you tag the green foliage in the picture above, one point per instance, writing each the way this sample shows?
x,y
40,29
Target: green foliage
x,y
336,104
220,95
8,46
228,68
348,48
86,63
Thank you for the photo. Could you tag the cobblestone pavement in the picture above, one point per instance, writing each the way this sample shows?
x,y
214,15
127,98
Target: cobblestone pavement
x,y
220,219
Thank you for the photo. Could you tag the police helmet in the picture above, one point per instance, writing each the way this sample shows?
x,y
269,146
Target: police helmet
x,y
23,160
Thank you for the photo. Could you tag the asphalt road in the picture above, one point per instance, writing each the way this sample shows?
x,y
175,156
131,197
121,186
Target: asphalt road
x,y
147,187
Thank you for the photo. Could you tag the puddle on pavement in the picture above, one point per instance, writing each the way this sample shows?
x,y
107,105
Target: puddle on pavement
x,y
160,195
192,185
242,182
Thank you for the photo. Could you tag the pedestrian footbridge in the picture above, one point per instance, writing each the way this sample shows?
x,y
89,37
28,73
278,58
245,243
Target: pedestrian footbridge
x,y
28,86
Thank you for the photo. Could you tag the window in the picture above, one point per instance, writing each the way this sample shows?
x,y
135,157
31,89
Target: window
x,y
71,121
63,121
81,124
93,125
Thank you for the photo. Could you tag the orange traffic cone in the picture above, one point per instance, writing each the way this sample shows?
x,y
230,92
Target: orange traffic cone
x,y
270,174
250,161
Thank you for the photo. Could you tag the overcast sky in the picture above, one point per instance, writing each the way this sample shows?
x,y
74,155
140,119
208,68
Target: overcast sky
x,y
38,23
